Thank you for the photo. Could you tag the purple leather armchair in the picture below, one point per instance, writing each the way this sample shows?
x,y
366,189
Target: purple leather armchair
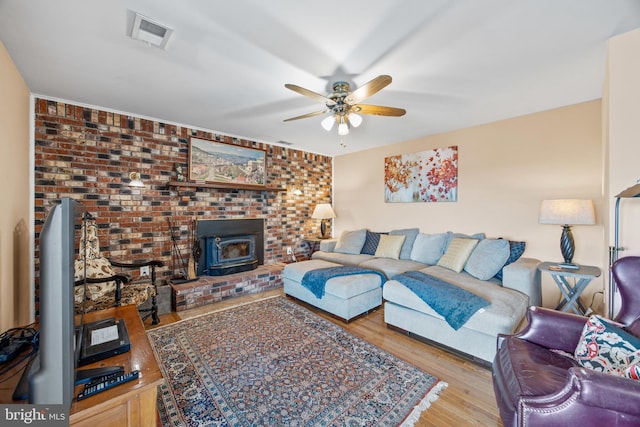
x,y
535,385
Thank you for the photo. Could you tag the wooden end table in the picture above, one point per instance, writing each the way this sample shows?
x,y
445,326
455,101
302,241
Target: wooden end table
x,y
582,276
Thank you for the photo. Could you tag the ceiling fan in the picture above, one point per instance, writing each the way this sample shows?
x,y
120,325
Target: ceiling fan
x,y
344,105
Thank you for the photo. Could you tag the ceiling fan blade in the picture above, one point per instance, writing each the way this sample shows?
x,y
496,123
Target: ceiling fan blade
x,y
304,116
368,89
378,110
313,95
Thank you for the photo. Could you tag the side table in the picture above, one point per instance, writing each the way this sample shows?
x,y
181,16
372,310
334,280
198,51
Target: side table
x,y
313,244
582,276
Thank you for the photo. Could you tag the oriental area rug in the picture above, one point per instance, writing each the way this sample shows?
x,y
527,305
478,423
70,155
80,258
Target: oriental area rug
x,y
275,363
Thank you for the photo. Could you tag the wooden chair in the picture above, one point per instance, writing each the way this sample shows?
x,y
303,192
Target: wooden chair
x,y
104,286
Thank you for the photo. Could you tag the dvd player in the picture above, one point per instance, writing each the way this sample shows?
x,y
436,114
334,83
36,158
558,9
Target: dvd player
x,y
102,339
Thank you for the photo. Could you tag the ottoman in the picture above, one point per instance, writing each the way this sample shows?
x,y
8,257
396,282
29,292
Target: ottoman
x,y
345,297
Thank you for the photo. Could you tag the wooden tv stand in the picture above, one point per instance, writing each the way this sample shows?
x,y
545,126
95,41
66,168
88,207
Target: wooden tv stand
x,y
129,404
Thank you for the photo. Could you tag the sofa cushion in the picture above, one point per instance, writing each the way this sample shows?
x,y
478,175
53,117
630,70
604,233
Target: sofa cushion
x,y
428,248
457,253
605,347
371,243
487,259
516,249
390,246
344,259
392,267
410,237
296,270
351,242
502,316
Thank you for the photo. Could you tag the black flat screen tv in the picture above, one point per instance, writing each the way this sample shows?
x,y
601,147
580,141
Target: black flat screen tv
x,y
53,383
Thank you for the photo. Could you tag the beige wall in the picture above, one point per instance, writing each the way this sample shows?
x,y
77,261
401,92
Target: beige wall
x,y
622,138
505,170
15,227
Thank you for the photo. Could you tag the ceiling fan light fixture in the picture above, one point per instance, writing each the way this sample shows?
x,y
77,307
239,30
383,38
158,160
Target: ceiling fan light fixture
x,y
343,128
343,105
355,119
327,123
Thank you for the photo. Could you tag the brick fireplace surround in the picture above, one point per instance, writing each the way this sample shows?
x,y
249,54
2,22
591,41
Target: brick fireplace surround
x,y
87,154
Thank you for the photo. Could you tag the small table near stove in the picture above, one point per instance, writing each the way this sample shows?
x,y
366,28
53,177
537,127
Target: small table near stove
x,y
313,244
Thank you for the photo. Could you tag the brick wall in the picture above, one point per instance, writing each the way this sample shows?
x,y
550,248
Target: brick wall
x,y
87,154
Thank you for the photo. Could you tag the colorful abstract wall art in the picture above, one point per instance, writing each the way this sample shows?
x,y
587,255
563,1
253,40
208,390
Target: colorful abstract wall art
x,y
428,176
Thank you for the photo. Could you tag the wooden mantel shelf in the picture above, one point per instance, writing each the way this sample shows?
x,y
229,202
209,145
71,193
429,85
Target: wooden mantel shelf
x,y
231,186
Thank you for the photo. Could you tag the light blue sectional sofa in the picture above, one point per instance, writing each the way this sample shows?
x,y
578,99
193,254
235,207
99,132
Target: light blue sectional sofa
x,y
493,269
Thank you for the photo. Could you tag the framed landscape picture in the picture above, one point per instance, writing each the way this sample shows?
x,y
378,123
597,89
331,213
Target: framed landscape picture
x,y
214,162
427,176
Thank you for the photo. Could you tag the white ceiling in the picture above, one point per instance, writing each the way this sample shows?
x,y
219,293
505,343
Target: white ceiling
x,y
454,63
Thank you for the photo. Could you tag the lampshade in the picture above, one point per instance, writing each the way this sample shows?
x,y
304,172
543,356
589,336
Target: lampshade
x,y
355,119
343,127
328,122
567,212
323,211
343,120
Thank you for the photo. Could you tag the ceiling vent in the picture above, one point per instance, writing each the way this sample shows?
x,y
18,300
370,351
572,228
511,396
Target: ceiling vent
x,y
150,31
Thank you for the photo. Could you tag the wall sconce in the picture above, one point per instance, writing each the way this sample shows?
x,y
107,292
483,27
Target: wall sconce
x,y
567,212
296,192
324,212
135,182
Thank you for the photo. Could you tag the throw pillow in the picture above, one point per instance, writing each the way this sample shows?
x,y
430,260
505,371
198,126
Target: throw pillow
x,y
516,249
428,248
371,243
487,258
410,237
451,235
604,347
633,371
351,242
389,246
457,253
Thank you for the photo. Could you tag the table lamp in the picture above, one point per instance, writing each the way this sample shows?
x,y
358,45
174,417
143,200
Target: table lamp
x,y
567,212
323,212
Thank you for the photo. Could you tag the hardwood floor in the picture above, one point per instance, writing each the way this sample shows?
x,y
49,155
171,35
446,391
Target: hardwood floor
x,y
467,401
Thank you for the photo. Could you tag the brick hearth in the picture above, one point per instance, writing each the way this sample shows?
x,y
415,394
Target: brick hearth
x,y
210,289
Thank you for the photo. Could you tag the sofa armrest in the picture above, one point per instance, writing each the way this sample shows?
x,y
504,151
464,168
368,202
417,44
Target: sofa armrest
x,y
524,276
552,329
328,245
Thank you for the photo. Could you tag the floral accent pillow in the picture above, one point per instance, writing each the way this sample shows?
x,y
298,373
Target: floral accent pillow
x,y
607,348
633,371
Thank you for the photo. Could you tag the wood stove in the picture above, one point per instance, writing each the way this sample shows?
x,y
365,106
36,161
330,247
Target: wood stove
x,y
230,246
229,254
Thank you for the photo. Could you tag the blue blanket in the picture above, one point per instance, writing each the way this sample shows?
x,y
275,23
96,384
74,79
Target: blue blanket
x,y
315,280
455,304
